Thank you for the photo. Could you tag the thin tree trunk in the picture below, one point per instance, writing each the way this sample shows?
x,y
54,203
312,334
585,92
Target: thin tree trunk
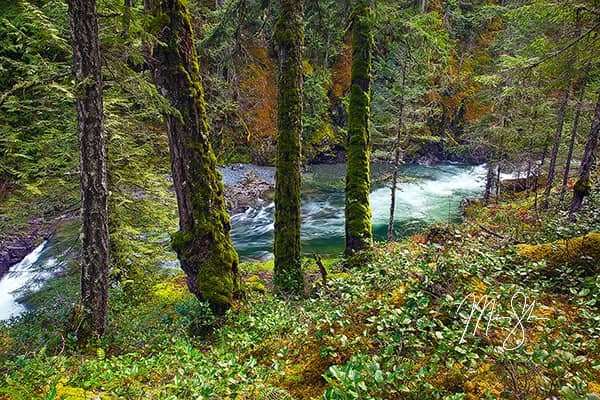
x,y
203,243
498,183
537,175
390,232
289,36
423,6
127,6
583,185
359,235
489,179
528,173
94,187
556,145
572,140
327,44
530,152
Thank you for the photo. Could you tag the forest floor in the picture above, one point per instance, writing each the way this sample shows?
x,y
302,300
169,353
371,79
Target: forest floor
x,y
395,324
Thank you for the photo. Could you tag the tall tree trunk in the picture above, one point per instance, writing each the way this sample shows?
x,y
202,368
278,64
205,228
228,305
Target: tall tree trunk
x,y
583,185
94,187
423,6
203,242
359,234
390,232
565,179
559,128
289,36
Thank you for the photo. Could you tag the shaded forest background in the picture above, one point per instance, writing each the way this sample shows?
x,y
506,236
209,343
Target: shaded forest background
x,y
479,81
469,82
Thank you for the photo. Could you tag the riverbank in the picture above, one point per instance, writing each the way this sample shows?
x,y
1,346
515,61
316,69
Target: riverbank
x,y
386,328
17,243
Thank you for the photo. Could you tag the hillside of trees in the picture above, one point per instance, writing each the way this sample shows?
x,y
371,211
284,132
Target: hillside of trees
x,y
177,178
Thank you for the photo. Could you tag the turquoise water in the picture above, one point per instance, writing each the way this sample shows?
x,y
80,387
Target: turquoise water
x,y
428,194
425,196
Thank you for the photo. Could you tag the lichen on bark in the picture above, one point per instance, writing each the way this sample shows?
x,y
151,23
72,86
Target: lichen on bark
x,y
203,243
289,38
358,212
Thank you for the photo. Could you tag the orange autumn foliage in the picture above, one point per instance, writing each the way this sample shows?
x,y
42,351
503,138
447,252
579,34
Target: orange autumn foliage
x,y
258,105
341,71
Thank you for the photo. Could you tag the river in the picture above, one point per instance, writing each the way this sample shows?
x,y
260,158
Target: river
x,y
426,195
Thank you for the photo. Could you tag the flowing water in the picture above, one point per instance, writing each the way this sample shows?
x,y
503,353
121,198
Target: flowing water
x,y
20,275
426,195
41,264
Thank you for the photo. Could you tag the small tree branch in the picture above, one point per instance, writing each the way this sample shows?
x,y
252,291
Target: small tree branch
x,y
16,87
563,49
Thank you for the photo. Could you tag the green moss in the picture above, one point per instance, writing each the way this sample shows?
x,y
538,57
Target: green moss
x,y
583,186
289,36
358,212
254,283
203,244
582,250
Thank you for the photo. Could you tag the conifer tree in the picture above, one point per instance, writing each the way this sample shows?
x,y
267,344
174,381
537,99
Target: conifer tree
x,y
583,185
289,37
93,176
203,243
359,234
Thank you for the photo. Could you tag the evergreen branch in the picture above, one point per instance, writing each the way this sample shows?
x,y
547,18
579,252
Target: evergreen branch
x,y
29,85
591,10
563,49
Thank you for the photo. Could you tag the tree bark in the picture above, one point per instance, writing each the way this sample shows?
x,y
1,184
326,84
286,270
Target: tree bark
x,y
390,232
530,152
565,179
559,128
203,242
289,36
583,185
359,234
538,174
93,178
489,183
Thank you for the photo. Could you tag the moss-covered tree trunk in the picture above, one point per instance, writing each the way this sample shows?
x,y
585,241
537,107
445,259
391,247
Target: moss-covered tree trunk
x,y
203,243
359,234
583,185
94,186
289,37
